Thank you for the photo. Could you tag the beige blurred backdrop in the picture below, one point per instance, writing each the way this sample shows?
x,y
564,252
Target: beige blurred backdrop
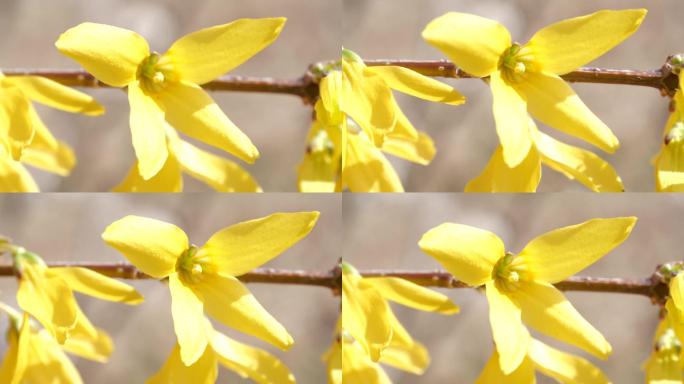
x,y
382,232
62,227
464,135
277,124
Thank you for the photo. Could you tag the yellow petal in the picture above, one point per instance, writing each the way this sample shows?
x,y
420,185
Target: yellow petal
x,y
17,354
498,177
109,53
367,169
45,152
554,103
94,284
15,178
467,252
240,248
16,127
204,55
247,361
192,111
576,163
153,246
491,374
219,173
403,352
545,309
48,363
413,83
148,131
564,367
56,95
229,302
421,150
569,44
669,164
358,368
472,42
412,295
561,253
677,294
319,170
203,371
512,121
97,348
510,335
168,179
188,317
365,315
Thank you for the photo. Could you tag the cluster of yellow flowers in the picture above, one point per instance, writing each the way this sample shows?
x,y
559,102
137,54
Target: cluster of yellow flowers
x,y
202,281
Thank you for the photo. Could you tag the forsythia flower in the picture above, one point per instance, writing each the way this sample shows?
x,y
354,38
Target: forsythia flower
x,y
561,366
204,278
368,318
166,88
33,356
573,162
525,78
520,287
665,364
247,361
47,294
669,162
219,173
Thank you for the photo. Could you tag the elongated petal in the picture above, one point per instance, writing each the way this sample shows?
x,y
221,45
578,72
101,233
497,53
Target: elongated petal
x,y
576,163
677,295
554,103
564,367
188,320
204,55
421,150
219,173
358,368
403,352
669,164
192,111
247,361
96,347
203,371
510,335
16,127
545,309
512,121
148,131
15,178
472,42
45,152
56,95
561,253
94,284
499,177
110,53
240,248
48,363
467,252
492,374
229,302
569,44
413,83
17,355
168,179
367,169
153,246
412,295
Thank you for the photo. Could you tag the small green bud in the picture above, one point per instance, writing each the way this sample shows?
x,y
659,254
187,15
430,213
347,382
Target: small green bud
x,y
351,56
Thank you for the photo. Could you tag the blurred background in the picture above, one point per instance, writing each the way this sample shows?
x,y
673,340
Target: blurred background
x,y
383,231
277,124
464,135
67,227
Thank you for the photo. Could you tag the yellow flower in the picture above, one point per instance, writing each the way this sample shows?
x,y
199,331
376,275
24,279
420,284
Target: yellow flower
x,y
204,278
47,294
525,78
246,361
520,287
33,356
665,364
573,162
669,162
558,365
166,88
368,318
219,173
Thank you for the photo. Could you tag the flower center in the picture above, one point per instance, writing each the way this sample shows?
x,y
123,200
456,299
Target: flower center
x,y
515,62
191,267
155,73
510,271
668,347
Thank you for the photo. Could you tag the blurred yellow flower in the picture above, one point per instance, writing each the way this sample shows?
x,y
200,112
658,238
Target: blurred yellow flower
x,y
665,364
669,162
246,361
166,88
525,78
520,287
558,365
48,294
204,278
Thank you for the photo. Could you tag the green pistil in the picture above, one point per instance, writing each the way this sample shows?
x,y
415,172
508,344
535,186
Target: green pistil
x,y
508,272
154,74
